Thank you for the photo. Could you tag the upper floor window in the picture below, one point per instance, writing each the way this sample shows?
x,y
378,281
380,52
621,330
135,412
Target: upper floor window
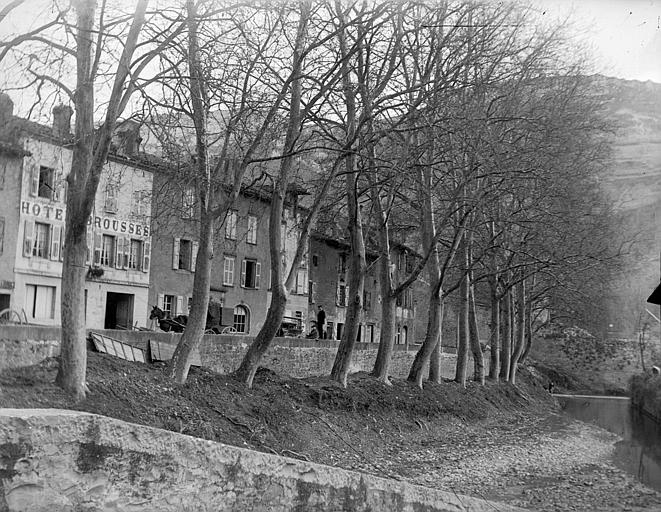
x,y
341,294
301,281
188,203
250,273
230,225
184,254
342,263
41,240
140,205
46,183
252,229
228,270
135,255
111,198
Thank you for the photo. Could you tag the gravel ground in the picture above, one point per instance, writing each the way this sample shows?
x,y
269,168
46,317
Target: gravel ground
x,y
565,465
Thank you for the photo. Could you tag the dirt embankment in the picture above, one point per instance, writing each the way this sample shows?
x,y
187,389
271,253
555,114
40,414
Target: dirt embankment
x,y
497,441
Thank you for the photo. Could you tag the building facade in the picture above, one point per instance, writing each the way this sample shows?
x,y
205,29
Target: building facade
x,y
34,212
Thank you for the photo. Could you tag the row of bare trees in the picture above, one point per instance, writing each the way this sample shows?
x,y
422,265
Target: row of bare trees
x,y
458,127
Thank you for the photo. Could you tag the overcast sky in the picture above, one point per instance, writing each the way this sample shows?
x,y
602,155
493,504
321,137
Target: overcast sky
x,y
625,34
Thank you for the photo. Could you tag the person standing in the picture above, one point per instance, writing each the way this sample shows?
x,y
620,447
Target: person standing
x,y
321,321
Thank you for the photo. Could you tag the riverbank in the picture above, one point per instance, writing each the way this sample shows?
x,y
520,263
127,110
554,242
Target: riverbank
x,y
496,442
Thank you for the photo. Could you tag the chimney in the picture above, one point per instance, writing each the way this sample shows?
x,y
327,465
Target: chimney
x,y
129,138
62,121
6,109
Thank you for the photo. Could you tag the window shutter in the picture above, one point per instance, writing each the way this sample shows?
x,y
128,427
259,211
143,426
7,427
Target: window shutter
x,y
175,253
98,241
58,193
55,242
180,306
119,252
34,181
243,273
28,238
258,273
161,300
337,294
90,245
193,260
146,255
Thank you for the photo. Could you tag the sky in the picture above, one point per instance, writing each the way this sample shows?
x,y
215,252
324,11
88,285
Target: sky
x,y
624,35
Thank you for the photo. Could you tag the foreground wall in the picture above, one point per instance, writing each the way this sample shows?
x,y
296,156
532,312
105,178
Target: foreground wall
x,y
24,346
66,461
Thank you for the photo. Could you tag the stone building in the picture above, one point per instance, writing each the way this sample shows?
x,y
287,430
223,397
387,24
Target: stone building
x,y
36,159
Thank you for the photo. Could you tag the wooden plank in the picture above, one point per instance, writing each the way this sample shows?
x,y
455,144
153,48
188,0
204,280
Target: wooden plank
x,y
161,351
98,343
138,355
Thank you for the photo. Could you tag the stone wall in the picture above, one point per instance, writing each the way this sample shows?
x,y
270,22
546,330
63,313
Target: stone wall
x,y
66,461
24,346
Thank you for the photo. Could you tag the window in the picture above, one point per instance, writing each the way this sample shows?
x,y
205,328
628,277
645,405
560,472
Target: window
x,y
367,300
241,319
409,263
311,290
135,255
341,295
398,335
188,203
2,235
184,254
301,281
250,273
140,203
46,183
112,194
40,302
369,337
41,240
108,251
169,302
342,264
315,260
252,229
228,270
230,225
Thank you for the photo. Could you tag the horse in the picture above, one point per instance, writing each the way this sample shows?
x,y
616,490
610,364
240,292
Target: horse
x,y
176,324
179,322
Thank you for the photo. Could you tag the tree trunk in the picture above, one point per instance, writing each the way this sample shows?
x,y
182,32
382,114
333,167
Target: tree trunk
x,y
431,343
192,336
476,349
357,263
73,352
435,361
276,311
435,320
494,340
462,331
526,351
506,342
520,329
387,342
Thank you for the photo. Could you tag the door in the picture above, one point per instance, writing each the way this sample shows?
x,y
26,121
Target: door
x,y
119,311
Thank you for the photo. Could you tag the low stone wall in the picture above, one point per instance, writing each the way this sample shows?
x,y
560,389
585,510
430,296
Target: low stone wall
x,y
66,461
27,345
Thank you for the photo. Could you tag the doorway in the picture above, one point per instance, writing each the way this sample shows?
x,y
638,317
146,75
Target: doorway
x,y
119,311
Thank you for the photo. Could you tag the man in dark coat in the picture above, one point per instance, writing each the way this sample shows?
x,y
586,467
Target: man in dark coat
x,y
321,321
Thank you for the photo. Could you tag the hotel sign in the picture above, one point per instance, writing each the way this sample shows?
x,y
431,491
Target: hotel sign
x,y
46,211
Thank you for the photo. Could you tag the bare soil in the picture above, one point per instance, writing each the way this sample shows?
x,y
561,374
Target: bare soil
x,y
496,441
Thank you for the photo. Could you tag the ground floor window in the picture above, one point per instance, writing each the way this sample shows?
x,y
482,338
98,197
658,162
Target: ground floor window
x,y
40,302
241,319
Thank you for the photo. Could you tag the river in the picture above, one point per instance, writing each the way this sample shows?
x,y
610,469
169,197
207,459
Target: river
x,y
639,451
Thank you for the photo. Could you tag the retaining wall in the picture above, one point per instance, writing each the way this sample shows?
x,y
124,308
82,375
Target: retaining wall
x,y
66,461
27,345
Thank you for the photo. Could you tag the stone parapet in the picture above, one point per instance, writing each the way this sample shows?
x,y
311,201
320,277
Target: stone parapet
x,y
64,461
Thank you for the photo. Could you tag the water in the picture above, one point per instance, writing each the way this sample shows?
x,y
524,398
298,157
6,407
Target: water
x,y
639,452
